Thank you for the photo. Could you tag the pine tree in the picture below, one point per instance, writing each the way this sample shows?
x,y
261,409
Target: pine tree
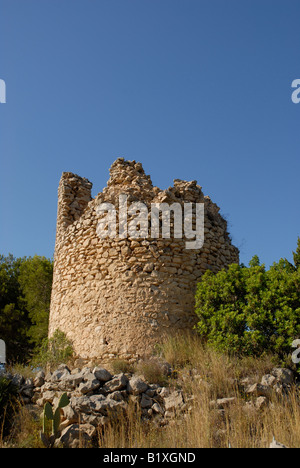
x,y
297,255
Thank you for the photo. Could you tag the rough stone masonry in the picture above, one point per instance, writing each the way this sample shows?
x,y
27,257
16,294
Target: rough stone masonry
x,y
119,297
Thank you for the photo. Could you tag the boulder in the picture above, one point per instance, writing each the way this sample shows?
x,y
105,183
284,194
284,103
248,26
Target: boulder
x,y
146,401
174,401
284,376
268,380
118,382
76,436
259,390
136,386
102,374
89,385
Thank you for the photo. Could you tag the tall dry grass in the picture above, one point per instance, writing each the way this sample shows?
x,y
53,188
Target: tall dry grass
x,y
206,375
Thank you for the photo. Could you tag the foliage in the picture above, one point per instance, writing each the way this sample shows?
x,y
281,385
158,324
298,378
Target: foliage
x,y
14,319
54,351
8,396
25,287
250,310
296,255
36,282
154,370
121,365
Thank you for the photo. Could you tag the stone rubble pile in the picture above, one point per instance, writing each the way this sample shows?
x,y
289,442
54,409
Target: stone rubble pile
x,y
96,397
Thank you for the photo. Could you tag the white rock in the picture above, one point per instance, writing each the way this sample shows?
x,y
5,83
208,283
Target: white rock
x,y
275,444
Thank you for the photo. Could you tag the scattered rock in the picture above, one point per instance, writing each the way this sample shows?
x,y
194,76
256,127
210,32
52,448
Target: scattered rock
x,y
76,436
157,408
284,376
275,444
268,380
39,379
223,403
174,401
136,386
146,401
90,384
96,396
102,374
118,382
259,390
261,402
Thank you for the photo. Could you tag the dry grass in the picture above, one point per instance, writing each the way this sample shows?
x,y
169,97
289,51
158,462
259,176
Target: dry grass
x,y
207,375
204,375
25,429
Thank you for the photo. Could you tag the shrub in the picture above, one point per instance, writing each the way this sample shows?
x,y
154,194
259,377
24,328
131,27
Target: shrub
x,y
8,398
121,366
250,310
54,351
154,370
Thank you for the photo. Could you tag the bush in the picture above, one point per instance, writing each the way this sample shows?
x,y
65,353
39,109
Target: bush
x,y
8,398
250,310
54,351
121,366
154,370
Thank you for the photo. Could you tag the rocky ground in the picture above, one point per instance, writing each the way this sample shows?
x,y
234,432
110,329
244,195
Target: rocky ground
x,y
96,396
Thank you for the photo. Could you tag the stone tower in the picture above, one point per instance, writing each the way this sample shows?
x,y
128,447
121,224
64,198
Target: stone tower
x,y
118,297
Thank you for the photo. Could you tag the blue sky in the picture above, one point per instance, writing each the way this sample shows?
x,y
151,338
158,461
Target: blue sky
x,y
193,89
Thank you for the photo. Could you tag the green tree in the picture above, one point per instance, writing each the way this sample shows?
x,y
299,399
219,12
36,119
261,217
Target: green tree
x,y
25,290
297,255
250,310
14,320
35,279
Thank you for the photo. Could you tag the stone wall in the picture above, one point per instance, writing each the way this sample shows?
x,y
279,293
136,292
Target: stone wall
x,y
119,297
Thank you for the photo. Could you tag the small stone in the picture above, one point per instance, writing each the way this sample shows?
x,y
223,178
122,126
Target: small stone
x,y
146,402
268,379
149,267
116,396
117,383
102,374
39,379
157,408
136,386
284,376
223,402
90,385
275,444
261,402
174,401
259,390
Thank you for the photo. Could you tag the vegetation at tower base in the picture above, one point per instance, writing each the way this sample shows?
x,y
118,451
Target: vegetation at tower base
x,y
53,350
251,310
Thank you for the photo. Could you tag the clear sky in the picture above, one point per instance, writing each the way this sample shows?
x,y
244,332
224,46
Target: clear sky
x,y
193,89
